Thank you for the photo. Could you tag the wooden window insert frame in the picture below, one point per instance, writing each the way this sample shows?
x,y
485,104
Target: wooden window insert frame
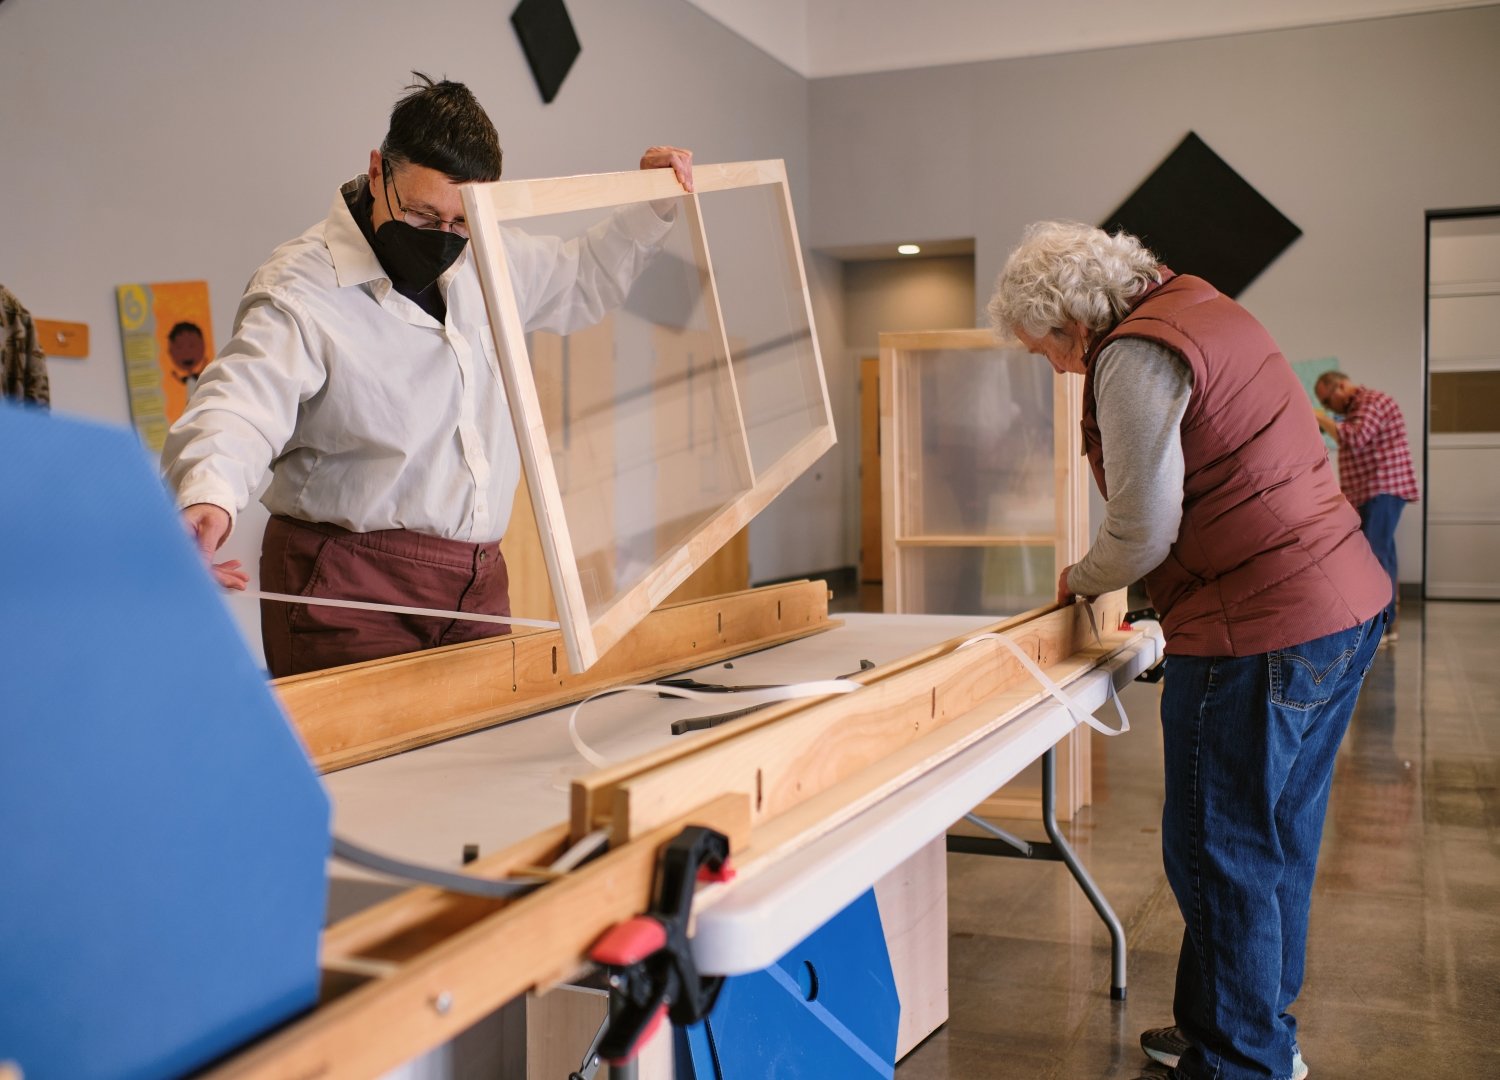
x,y
1069,540
1070,494
485,207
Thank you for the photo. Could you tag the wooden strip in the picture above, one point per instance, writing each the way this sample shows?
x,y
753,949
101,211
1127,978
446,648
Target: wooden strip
x,y
1075,759
359,967
737,174
389,930
715,318
909,447
922,340
450,986
1070,489
593,795
512,200
56,338
611,624
794,463
892,491
824,811
978,541
530,427
787,761
366,711
794,257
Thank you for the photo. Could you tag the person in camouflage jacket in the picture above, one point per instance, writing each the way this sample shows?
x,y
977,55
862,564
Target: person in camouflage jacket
x,y
23,367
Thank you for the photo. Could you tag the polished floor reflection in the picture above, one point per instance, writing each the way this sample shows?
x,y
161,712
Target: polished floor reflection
x,y
1404,948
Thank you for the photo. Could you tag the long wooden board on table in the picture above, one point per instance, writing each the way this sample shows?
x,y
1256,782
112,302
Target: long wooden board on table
x,y
810,818
362,712
592,795
782,760
434,986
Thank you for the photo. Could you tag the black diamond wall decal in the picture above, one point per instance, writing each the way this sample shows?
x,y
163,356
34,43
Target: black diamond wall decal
x,y
1201,217
549,42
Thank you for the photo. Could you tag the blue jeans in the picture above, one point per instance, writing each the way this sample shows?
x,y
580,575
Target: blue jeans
x,y
1249,744
1378,519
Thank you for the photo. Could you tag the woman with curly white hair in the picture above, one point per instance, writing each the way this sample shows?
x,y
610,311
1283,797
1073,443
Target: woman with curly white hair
x,y
1219,493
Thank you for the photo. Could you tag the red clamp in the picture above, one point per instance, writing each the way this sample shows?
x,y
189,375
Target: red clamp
x,y
649,957
714,875
629,942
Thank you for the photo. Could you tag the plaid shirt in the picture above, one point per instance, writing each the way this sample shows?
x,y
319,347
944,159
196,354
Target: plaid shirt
x,y
1374,456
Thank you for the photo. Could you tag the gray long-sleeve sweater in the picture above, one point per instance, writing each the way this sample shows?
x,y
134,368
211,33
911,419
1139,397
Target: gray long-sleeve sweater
x,y
1141,392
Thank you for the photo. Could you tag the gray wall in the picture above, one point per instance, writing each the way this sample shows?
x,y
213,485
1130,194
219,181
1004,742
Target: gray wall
x,y
1352,130
886,295
162,140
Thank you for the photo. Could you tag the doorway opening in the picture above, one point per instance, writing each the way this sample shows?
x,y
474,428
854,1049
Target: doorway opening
x,y
934,290
1461,423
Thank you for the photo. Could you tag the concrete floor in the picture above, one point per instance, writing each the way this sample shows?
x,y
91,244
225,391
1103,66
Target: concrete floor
x,y
1404,948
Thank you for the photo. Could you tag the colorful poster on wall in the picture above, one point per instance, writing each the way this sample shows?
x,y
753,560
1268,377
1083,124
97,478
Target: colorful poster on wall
x,y
1309,371
167,334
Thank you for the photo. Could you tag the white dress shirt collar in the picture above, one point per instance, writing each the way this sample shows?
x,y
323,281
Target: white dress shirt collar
x,y
354,261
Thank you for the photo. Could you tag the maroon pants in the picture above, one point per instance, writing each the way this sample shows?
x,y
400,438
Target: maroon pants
x,y
391,566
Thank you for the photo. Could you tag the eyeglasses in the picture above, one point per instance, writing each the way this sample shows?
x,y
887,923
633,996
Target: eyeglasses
x,y
419,219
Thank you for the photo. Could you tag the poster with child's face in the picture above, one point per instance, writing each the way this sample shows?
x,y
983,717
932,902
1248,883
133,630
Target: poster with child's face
x,y
167,334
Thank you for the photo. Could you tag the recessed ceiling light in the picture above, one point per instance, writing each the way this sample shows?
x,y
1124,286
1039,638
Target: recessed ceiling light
x,y
909,249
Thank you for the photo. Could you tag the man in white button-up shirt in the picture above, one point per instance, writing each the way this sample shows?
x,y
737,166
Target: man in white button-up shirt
x,y
362,373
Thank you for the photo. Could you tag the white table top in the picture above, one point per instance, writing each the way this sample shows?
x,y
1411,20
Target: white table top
x,y
498,786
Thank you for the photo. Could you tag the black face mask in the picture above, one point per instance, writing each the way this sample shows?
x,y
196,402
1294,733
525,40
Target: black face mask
x,y
415,258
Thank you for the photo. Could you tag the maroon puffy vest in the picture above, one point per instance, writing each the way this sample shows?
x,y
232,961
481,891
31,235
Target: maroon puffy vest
x,y
1270,553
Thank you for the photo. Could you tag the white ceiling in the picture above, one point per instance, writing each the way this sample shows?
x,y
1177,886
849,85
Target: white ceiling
x,y
818,38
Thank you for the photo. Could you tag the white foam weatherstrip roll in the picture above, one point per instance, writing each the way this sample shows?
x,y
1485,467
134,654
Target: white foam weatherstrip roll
x,y
458,881
397,609
1080,714
737,698
580,851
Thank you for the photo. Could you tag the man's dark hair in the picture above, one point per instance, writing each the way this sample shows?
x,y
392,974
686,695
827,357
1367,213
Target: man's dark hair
x,y
441,125
183,328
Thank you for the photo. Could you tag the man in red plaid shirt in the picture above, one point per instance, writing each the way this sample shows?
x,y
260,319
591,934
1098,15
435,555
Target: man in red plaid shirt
x,y
1374,464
